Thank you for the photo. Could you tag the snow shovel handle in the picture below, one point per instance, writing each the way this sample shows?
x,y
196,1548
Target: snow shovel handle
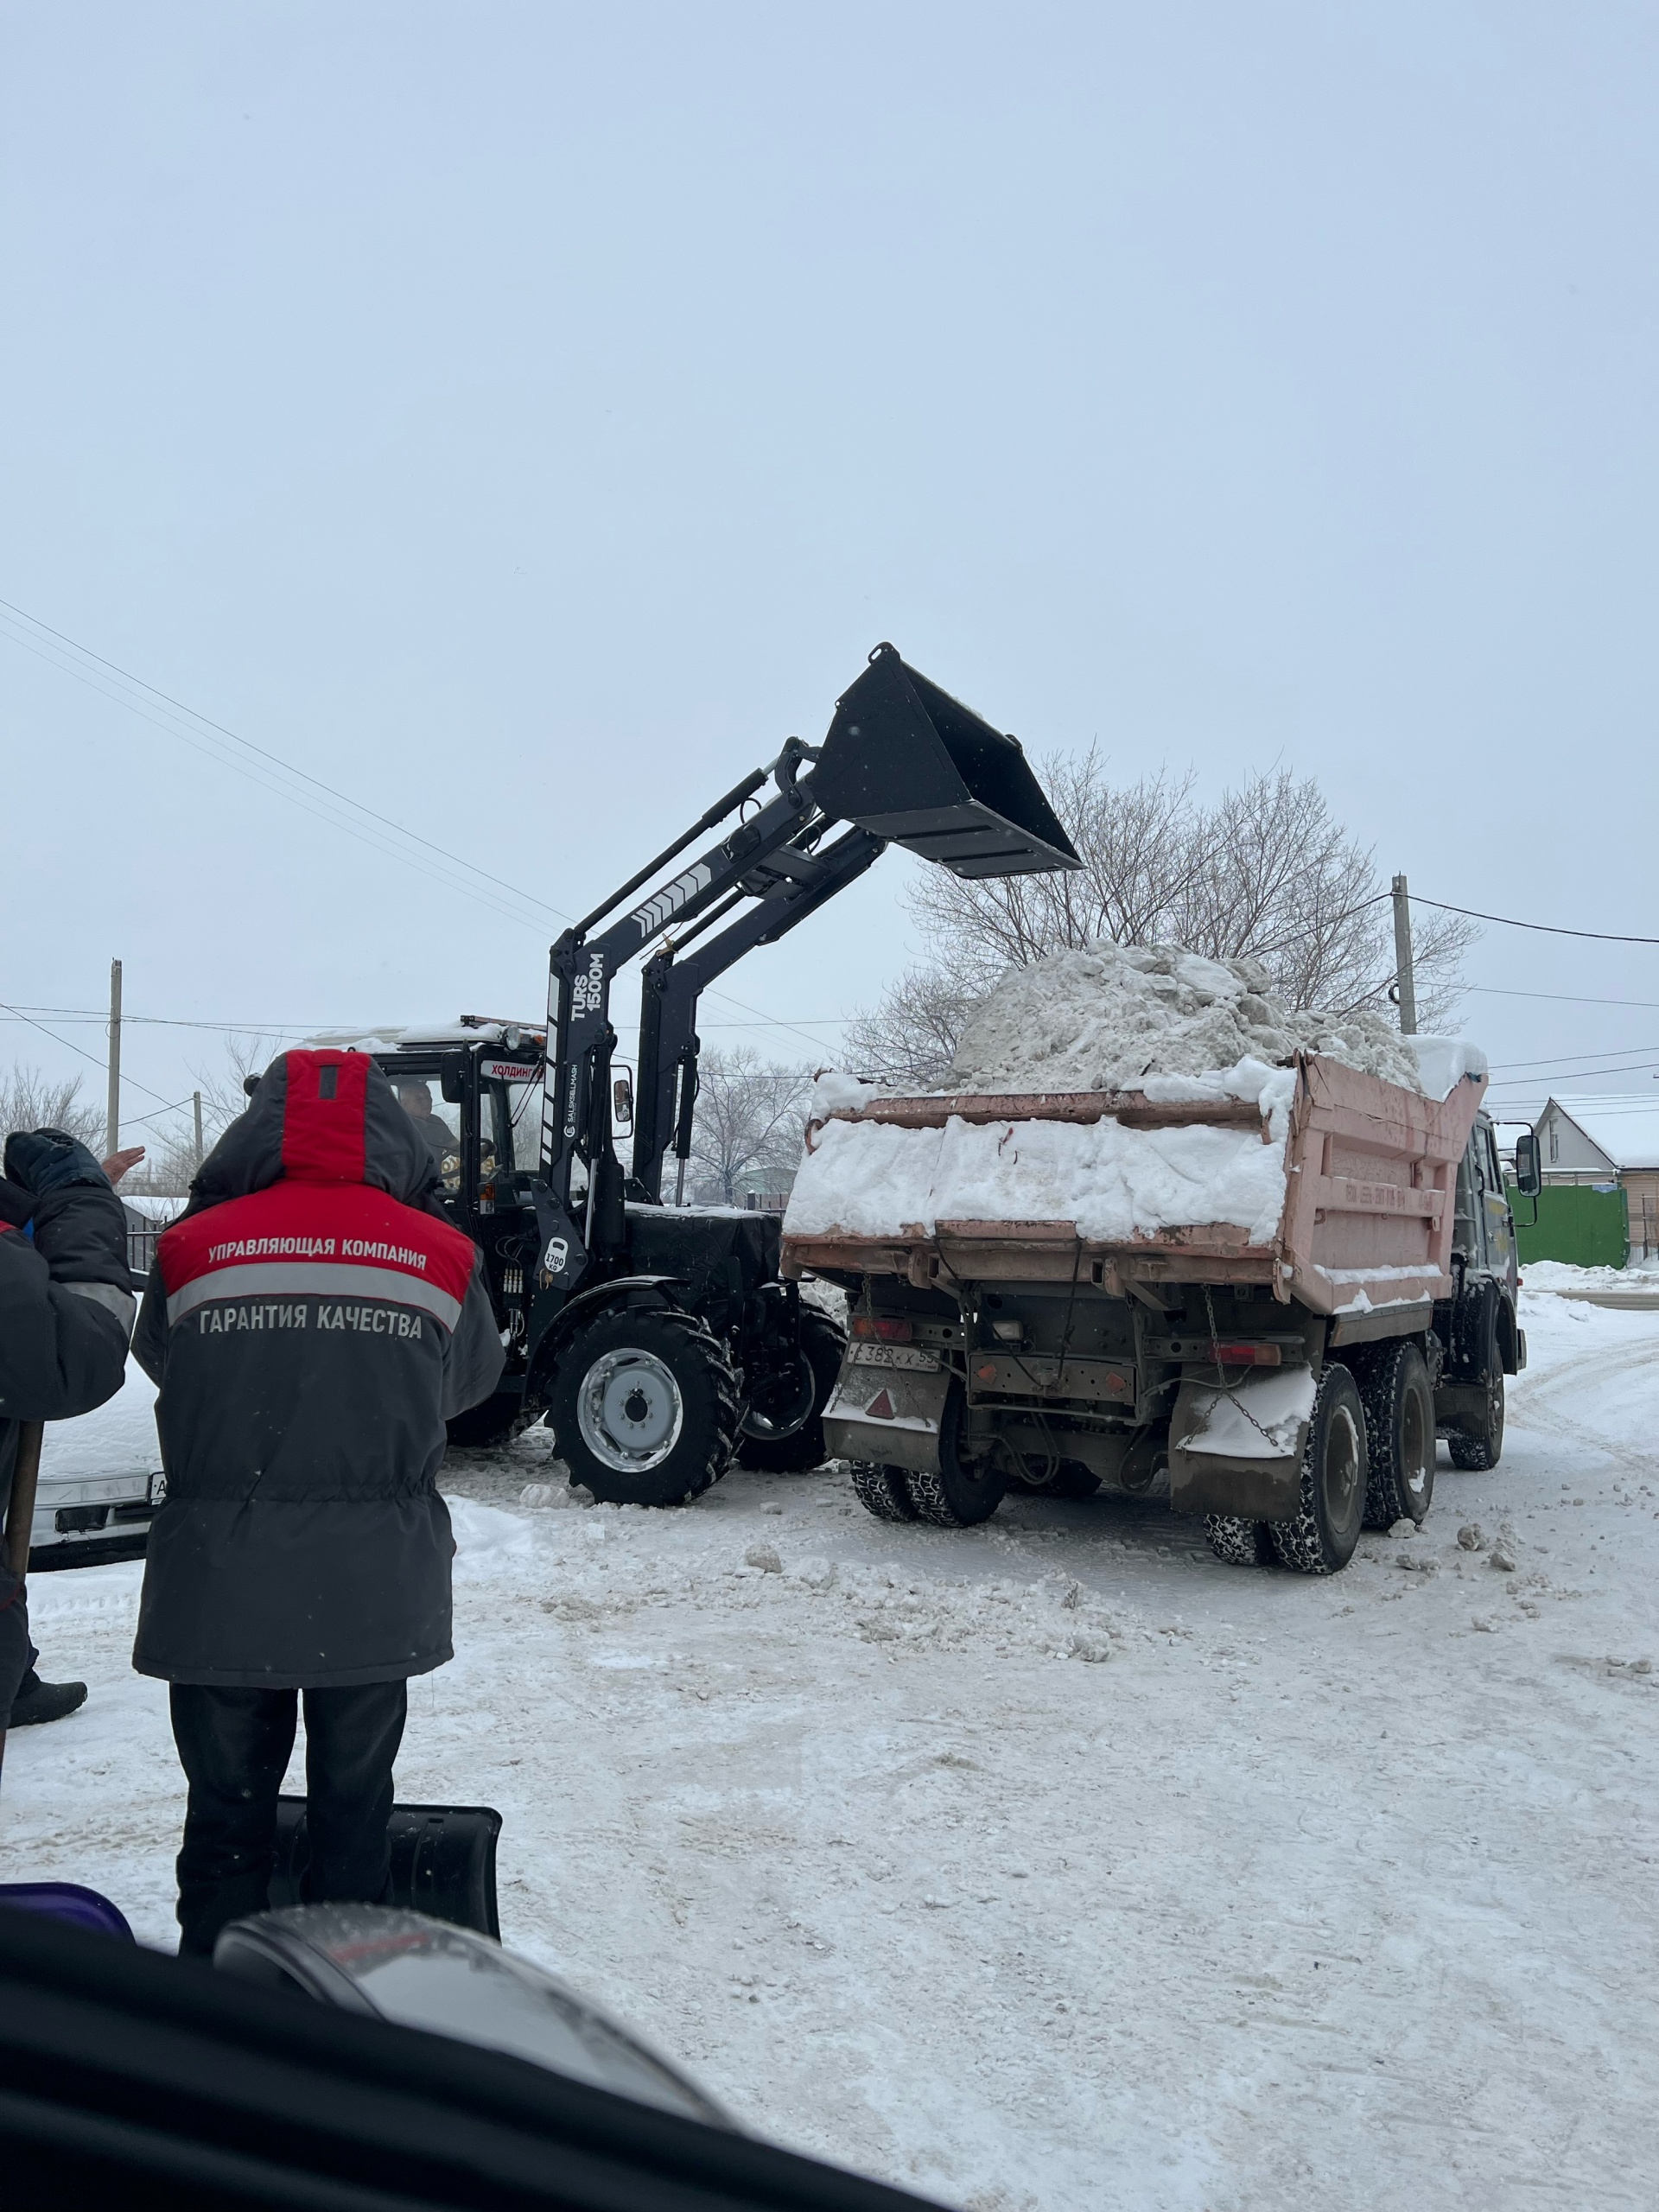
x,y
25,1480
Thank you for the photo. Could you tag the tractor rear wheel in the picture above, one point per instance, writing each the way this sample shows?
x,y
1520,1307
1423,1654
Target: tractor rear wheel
x,y
643,1407
824,1344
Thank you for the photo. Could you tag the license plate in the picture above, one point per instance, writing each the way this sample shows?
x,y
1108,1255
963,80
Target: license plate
x,y
890,1355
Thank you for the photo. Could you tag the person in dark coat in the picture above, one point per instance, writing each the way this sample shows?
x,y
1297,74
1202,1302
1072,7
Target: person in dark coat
x,y
65,1314
312,1320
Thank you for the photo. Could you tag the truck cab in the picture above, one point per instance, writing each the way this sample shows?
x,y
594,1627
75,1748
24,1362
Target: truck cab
x,y
1477,1329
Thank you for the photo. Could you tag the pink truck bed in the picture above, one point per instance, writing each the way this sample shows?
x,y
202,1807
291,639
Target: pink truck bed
x,y
1367,1220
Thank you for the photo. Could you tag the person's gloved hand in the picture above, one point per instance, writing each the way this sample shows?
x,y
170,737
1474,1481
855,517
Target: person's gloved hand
x,y
48,1159
17,1204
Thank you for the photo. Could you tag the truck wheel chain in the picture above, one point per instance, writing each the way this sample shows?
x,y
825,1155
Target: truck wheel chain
x,y
1240,1543
1389,1497
883,1491
1300,1542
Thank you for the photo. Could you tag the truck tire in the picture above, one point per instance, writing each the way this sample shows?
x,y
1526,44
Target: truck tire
x,y
883,1491
1398,1402
1321,1538
1240,1543
1475,1454
497,1421
954,1496
643,1407
823,1345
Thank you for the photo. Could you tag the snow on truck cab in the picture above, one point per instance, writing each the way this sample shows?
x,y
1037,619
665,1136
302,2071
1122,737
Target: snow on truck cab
x,y
1282,1366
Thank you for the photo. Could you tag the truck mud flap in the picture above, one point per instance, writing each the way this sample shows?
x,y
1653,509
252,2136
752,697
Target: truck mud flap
x,y
1255,1486
890,1414
442,1861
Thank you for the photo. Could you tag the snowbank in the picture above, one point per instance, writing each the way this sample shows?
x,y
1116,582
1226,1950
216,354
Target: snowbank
x,y
1106,1017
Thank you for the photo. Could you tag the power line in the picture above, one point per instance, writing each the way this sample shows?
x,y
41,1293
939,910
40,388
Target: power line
x,y
215,750
1570,1060
69,1045
248,744
1549,929
1557,998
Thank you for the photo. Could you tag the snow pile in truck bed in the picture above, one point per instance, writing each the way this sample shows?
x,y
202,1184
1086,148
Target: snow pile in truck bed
x,y
1109,1016
869,1179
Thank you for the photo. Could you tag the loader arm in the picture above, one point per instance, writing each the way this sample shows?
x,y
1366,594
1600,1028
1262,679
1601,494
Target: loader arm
x,y
674,981
903,763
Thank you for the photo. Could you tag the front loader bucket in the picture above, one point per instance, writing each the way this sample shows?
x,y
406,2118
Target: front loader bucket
x,y
907,761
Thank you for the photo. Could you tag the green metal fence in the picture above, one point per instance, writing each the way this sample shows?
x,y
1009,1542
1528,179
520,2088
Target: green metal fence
x,y
1588,1224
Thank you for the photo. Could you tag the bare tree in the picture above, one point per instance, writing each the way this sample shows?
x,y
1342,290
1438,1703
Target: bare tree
x,y
1266,874
30,1100
750,1117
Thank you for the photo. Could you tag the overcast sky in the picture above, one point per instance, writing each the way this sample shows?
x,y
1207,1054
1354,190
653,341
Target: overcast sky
x,y
523,417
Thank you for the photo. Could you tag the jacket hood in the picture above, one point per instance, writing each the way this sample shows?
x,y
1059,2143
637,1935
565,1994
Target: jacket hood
x,y
319,1117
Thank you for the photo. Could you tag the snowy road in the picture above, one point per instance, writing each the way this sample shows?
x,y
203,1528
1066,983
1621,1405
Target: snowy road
x,y
1054,1866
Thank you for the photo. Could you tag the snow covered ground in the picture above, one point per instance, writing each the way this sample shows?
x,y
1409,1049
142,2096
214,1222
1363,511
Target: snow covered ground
x,y
1053,1865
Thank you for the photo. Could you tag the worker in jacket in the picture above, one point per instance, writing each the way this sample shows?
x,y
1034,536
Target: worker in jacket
x,y
312,1320
65,1314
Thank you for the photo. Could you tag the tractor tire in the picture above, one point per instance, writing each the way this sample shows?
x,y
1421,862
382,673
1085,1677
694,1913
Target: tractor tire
x,y
883,1491
1398,1402
954,1496
1239,1543
823,1345
496,1422
1321,1538
1475,1454
643,1407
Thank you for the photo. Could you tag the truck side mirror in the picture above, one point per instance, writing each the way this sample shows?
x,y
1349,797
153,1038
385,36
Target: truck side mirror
x,y
622,1104
1528,1168
452,1078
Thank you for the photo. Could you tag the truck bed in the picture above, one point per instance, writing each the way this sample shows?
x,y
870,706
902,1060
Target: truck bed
x,y
1351,1211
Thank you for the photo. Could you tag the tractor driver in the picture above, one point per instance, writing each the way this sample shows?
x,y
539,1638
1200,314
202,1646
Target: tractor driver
x,y
415,1099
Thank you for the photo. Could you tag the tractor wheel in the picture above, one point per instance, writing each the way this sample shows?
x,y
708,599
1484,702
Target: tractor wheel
x,y
883,1491
796,1449
497,1421
956,1496
1240,1543
645,1408
1321,1538
1399,1404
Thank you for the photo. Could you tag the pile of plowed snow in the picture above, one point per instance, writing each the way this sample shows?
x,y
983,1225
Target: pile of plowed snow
x,y
1109,1016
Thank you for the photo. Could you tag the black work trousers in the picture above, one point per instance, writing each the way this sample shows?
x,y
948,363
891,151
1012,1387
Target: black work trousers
x,y
234,1746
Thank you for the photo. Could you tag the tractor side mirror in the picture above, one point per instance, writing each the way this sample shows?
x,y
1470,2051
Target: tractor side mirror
x,y
1528,1167
622,1104
452,1078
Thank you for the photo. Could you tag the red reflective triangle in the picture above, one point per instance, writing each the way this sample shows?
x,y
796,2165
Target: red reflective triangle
x,y
881,1407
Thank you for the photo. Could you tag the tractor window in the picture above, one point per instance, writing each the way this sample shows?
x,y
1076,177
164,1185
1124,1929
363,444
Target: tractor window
x,y
524,1120
439,1123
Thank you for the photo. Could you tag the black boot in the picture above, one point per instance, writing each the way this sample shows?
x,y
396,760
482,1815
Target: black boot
x,y
38,1700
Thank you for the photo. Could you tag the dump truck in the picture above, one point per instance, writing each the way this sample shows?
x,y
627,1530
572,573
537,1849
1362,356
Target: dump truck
x,y
659,1340
1285,1375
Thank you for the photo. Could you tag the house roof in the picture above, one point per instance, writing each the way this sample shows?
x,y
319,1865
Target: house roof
x,y
1623,1124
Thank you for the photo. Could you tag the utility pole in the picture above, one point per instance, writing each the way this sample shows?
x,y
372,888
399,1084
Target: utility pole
x,y
112,1119
195,1101
1405,980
